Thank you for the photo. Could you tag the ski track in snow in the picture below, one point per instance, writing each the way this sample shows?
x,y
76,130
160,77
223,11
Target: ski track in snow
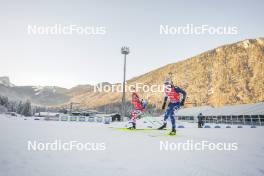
x,y
128,153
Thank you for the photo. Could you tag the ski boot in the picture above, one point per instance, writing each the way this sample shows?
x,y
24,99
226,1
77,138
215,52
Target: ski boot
x,y
163,126
173,132
133,127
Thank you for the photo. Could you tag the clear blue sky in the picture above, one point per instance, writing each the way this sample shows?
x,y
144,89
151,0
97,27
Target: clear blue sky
x,y
70,60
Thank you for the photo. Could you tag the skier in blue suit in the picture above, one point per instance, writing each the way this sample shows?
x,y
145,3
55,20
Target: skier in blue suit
x,y
175,102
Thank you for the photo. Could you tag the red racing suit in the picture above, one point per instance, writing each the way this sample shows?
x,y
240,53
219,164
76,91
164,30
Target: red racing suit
x,y
138,107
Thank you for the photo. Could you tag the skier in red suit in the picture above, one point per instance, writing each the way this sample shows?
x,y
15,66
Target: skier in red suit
x,y
139,108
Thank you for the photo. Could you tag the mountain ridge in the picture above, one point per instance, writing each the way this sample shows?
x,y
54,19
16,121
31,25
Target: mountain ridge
x,y
229,74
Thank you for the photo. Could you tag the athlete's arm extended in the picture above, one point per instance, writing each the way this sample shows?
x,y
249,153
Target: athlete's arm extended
x,y
164,102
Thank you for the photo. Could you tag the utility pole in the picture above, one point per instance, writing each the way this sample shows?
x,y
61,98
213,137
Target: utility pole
x,y
125,51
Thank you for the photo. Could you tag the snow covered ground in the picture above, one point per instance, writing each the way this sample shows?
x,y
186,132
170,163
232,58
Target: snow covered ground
x,y
126,153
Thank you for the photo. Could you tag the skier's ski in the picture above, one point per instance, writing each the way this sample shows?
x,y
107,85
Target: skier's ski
x,y
163,134
137,129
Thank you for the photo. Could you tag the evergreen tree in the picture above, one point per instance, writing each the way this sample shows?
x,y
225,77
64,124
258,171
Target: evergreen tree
x,y
26,111
19,107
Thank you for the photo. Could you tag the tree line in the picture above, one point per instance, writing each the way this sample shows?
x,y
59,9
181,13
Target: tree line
x,y
20,107
25,108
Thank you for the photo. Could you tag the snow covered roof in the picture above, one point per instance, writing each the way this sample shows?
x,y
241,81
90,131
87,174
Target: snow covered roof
x,y
44,114
194,111
243,109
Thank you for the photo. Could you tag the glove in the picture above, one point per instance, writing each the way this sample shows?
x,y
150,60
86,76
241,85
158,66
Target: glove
x,y
182,103
163,106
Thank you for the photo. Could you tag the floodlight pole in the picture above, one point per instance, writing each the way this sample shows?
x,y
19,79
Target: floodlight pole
x,y
125,51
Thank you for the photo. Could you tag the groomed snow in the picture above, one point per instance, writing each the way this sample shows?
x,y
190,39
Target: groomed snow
x,y
128,153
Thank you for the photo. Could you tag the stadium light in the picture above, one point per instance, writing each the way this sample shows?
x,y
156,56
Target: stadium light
x,y
125,51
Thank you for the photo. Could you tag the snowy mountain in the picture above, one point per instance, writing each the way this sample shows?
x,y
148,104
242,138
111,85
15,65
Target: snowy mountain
x,y
48,96
4,80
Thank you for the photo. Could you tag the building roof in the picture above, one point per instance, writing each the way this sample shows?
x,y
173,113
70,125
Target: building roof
x,y
242,109
194,111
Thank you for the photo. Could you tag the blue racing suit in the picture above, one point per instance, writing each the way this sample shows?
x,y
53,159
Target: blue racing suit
x,y
174,103
170,113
